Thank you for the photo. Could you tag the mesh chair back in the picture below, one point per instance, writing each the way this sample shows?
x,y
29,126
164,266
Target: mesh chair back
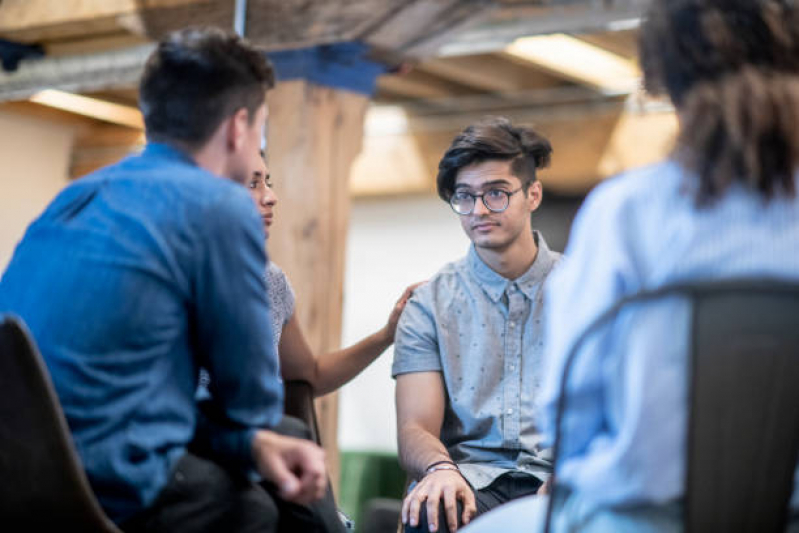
x,y
743,435
42,483
743,424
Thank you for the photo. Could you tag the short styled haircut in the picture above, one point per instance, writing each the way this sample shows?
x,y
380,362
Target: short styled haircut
x,y
195,79
493,139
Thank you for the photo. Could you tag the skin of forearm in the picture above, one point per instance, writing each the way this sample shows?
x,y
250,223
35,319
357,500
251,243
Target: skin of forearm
x,y
418,448
336,368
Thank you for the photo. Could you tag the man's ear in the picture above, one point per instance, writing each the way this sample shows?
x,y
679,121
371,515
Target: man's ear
x,y
237,126
534,195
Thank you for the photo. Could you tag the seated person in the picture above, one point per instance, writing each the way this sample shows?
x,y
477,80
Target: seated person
x,y
328,372
125,283
468,349
723,206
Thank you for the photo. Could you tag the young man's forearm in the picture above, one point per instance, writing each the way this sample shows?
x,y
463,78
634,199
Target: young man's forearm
x,y
418,449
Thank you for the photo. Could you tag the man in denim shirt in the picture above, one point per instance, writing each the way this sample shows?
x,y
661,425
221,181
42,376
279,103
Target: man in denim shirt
x,y
138,275
468,346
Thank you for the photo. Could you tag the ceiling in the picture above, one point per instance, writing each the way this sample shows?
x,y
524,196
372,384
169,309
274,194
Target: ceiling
x,y
447,59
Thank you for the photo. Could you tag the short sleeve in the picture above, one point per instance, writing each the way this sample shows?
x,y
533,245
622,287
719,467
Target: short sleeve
x,y
416,346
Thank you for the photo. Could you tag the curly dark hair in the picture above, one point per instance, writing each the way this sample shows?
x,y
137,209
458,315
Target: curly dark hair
x,y
494,139
196,78
731,67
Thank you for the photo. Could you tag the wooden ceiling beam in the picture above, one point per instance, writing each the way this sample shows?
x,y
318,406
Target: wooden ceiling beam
x,y
38,20
490,73
419,84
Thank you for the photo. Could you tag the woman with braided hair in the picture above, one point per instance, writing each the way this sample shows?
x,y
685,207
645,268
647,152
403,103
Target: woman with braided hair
x,y
724,205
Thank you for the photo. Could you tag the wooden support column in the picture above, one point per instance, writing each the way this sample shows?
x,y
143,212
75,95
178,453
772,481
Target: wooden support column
x,y
314,135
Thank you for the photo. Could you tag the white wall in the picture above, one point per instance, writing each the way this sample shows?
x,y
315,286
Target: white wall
x,y
392,243
34,166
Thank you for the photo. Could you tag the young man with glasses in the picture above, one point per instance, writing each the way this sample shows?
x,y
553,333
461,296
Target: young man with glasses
x,y
468,347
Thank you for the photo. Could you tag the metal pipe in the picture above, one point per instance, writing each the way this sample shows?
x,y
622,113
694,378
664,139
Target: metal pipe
x,y
81,73
240,17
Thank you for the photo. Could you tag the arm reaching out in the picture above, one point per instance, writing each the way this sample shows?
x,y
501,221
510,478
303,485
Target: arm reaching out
x,y
328,372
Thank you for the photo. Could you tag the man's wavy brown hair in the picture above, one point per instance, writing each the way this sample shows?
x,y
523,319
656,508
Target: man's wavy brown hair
x,y
731,68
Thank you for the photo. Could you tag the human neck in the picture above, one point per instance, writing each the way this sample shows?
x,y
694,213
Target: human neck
x,y
211,158
514,260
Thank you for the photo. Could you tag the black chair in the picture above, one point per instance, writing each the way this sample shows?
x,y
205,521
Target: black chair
x,y
743,424
299,403
42,482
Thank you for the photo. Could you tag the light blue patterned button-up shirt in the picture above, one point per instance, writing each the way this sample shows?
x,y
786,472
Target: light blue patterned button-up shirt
x,y
483,333
625,423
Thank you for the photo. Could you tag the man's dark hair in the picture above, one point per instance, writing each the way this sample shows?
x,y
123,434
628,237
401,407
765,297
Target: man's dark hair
x,y
493,139
732,69
195,79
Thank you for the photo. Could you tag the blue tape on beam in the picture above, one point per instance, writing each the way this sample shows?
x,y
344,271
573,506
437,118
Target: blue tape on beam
x,y
340,66
11,53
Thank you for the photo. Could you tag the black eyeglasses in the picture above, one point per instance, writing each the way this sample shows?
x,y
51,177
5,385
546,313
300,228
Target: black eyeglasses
x,y
495,200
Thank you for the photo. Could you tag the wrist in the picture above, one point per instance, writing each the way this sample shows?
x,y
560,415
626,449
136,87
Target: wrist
x,y
385,336
445,464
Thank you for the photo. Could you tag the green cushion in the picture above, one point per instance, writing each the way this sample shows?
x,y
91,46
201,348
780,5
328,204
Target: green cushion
x,y
366,475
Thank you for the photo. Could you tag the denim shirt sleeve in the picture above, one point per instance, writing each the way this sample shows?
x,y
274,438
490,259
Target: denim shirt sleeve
x,y
233,331
416,347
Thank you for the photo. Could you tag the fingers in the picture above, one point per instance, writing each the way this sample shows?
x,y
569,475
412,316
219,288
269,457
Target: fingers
x,y
469,506
432,509
544,489
406,295
414,507
308,463
279,472
450,508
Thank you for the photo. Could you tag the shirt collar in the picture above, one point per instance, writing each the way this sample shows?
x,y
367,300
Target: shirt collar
x,y
528,283
166,151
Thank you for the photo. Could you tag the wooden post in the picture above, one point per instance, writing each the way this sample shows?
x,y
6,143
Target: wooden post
x,y
314,135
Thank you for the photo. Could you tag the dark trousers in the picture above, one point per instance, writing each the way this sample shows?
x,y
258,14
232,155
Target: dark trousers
x,y
202,496
507,487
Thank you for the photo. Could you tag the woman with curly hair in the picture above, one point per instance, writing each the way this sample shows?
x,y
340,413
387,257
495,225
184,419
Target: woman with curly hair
x,y
722,206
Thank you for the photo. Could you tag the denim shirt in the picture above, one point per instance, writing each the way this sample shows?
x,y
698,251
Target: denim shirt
x,y
130,280
483,333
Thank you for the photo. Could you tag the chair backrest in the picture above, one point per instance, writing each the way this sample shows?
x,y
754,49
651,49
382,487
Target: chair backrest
x,y
42,482
743,422
743,434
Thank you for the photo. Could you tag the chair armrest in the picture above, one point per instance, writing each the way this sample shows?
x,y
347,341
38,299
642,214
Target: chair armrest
x,y
299,403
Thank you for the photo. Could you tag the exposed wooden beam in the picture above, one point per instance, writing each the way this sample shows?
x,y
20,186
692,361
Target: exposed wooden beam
x,y
471,72
513,21
490,73
419,27
419,84
314,135
95,108
37,20
622,43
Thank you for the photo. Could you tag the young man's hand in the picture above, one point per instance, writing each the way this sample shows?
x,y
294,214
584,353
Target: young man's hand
x,y
295,466
448,485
